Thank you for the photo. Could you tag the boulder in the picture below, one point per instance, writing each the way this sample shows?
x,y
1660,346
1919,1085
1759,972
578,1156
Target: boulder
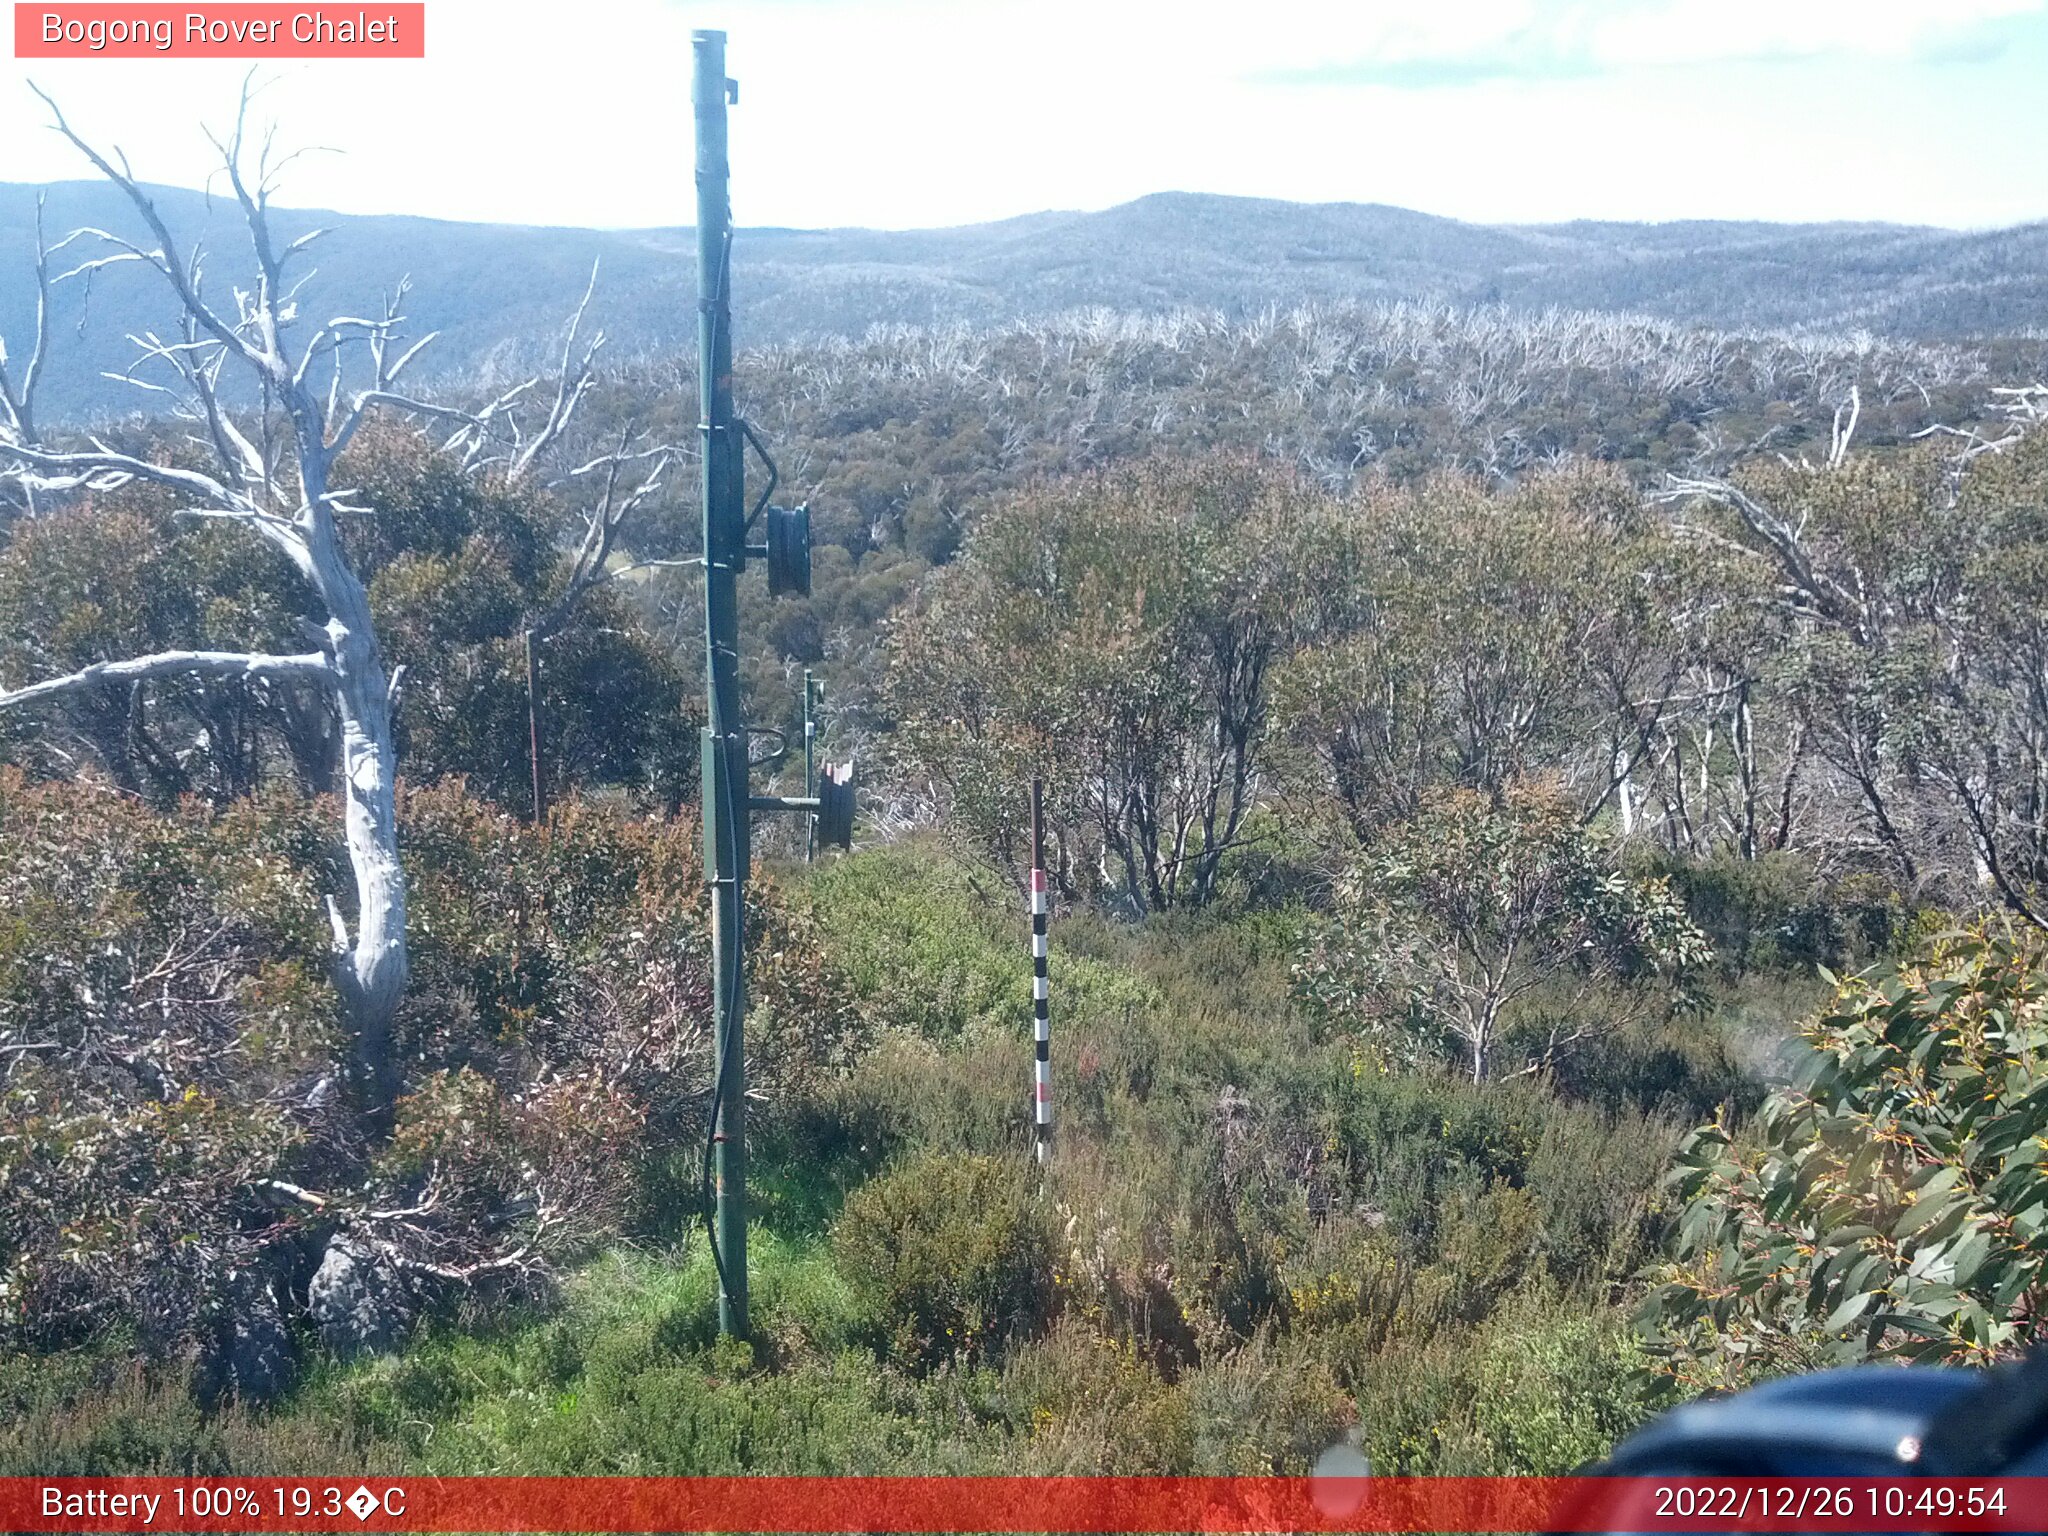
x,y
357,1301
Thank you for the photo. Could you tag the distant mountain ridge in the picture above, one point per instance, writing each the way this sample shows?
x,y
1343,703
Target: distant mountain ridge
x,y
499,293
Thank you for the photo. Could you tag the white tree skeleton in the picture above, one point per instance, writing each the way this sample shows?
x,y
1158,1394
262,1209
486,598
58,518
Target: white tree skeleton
x,y
279,486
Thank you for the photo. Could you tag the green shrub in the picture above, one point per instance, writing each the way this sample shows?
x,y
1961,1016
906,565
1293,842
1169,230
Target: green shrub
x,y
908,1096
1892,1199
1595,1178
164,994
1491,925
935,950
917,946
1259,1412
1096,1404
95,1415
657,1415
1410,1144
1774,912
952,1256
1547,1386
1558,1385
1351,1293
166,977
1686,1066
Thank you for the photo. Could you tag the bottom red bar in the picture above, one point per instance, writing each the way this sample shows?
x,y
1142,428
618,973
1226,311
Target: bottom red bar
x,y
1017,1504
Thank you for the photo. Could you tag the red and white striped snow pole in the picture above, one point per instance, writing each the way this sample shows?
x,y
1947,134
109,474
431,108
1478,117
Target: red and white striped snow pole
x,y
1041,1066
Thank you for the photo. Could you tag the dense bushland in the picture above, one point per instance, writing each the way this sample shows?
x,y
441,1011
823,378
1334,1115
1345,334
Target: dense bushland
x,y
904,436
1256,1241
1436,852
179,1141
458,567
1838,661
1259,1236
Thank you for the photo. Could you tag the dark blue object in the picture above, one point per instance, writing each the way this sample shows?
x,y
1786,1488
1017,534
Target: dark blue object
x,y
1863,1421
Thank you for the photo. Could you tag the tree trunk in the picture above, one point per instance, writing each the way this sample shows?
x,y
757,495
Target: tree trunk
x,y
1482,1041
1745,758
372,968
540,793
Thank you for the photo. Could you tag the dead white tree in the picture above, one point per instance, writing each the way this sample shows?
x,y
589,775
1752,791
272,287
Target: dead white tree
x,y
627,478
18,381
270,470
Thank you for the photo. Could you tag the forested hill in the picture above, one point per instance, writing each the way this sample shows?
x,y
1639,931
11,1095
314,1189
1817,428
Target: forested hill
x,y
495,290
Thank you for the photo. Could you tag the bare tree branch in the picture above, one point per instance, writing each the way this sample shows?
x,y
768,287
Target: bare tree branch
x,y
18,396
101,469
604,520
569,390
164,259
1820,590
171,664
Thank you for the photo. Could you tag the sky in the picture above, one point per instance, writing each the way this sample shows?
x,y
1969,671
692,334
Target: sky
x,y
917,113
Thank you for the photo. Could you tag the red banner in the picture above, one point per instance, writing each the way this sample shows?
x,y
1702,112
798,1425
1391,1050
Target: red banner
x,y
1016,1504
235,31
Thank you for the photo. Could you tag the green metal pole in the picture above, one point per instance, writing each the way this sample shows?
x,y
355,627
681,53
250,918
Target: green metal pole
x,y
725,742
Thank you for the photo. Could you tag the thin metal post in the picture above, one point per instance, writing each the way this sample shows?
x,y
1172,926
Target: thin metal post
x,y
725,785
1041,1032
540,793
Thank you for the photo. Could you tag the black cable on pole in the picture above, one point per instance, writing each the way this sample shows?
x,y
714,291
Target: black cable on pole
x,y
707,1188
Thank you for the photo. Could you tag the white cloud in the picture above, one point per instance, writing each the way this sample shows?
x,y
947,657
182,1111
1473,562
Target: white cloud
x,y
919,112
1701,31
1536,39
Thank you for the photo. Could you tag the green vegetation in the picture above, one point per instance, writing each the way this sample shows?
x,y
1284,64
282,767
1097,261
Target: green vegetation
x,y
1892,1196
456,568
1255,1242
1434,853
1471,906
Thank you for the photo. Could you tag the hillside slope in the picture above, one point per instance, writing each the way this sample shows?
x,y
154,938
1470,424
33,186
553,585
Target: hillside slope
x,y
497,292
